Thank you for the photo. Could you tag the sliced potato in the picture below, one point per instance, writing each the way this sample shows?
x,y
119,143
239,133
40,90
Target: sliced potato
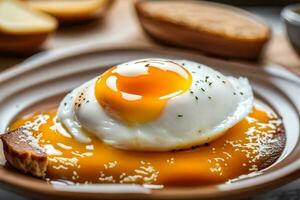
x,y
71,10
23,30
17,18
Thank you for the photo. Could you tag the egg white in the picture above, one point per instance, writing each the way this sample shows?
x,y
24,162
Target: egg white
x,y
195,117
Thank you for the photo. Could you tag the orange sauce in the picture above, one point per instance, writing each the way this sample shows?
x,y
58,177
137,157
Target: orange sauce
x,y
242,150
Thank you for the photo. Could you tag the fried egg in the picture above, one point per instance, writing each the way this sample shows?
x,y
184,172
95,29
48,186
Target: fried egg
x,y
156,105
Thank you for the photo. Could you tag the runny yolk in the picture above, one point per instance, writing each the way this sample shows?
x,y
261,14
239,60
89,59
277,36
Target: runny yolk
x,y
253,144
140,94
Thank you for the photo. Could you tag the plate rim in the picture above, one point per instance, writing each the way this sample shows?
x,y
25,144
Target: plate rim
x,y
51,56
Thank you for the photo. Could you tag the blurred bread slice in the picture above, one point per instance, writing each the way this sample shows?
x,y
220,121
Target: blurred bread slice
x,y
214,28
23,30
70,11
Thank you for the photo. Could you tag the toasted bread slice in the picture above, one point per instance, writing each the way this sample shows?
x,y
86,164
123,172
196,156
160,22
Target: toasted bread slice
x,y
23,153
67,11
22,29
213,28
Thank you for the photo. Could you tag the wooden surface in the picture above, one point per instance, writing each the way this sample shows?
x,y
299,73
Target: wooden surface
x,y
280,51
121,25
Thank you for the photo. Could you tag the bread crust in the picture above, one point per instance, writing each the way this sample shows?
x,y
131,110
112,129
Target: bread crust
x,y
22,153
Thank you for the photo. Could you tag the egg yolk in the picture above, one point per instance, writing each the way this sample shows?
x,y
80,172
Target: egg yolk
x,y
253,144
140,94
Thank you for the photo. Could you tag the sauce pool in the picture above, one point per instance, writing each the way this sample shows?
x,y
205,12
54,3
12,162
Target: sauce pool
x,y
253,144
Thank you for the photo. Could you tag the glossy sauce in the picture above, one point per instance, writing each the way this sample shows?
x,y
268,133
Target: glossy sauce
x,y
244,149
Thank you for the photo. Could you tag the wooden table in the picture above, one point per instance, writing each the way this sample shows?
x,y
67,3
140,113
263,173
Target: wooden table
x,y
121,25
